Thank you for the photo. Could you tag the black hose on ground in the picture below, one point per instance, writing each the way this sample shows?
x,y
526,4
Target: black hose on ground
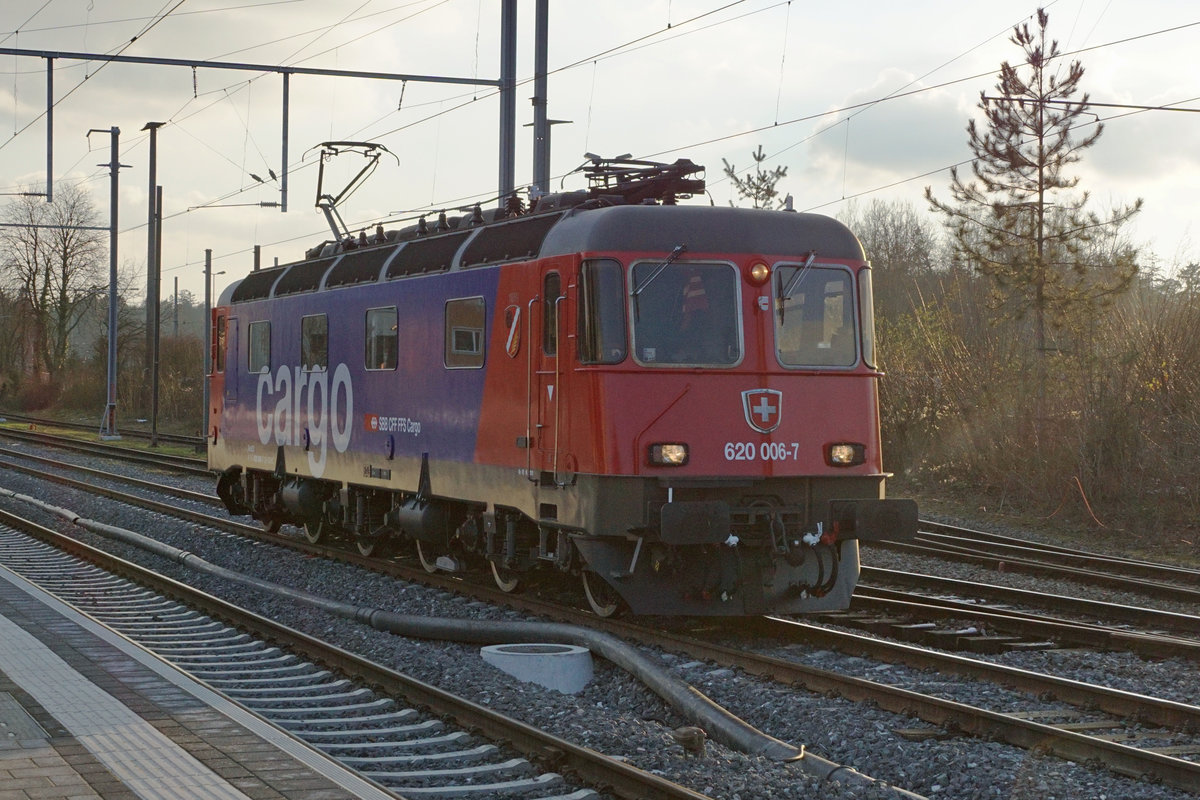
x,y
720,724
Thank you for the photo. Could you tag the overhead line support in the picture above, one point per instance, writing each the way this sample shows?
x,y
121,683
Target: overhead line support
x,y
506,83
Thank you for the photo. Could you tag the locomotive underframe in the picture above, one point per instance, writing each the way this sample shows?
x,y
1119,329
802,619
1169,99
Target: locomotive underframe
x,y
715,546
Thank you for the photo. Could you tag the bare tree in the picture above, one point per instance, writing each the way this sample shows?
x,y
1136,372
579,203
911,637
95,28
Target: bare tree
x,y
12,343
54,263
904,248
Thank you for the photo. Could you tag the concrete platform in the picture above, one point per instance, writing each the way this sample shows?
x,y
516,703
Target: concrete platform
x,y
84,713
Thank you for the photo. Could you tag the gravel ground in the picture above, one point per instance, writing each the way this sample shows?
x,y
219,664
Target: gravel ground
x,y
616,715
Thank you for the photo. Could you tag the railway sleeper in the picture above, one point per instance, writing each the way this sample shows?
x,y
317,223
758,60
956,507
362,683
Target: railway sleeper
x,y
321,738
318,712
386,718
333,696
315,689
373,764
248,681
201,662
439,741
514,766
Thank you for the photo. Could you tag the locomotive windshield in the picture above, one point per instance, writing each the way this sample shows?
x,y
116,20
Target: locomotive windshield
x,y
814,316
686,314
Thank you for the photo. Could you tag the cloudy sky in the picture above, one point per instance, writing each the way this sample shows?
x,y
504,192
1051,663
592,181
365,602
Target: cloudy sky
x,y
660,79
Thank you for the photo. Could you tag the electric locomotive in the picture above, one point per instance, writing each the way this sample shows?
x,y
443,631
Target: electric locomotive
x,y
675,405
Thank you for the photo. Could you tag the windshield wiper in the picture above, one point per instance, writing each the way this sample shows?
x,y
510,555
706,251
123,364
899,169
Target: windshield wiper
x,y
676,253
786,294
679,250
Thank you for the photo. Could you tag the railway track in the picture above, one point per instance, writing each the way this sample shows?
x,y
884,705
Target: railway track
x,y
132,433
359,712
186,464
1025,726
1104,612
959,625
1001,545
1031,559
906,616
1028,722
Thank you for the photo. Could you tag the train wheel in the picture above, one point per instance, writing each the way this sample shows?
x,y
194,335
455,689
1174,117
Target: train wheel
x,y
600,596
376,543
506,580
315,530
427,557
272,524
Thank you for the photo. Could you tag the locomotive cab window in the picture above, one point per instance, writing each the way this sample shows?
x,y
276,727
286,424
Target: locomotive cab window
x,y
685,314
260,347
381,339
314,343
464,333
601,313
219,339
814,317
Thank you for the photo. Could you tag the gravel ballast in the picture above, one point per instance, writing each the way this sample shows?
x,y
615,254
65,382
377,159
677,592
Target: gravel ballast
x,y
618,716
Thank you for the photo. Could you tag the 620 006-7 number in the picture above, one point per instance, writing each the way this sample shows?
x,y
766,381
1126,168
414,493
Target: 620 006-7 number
x,y
762,451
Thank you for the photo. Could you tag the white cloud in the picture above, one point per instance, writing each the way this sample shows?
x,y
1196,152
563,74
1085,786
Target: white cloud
x,y
686,91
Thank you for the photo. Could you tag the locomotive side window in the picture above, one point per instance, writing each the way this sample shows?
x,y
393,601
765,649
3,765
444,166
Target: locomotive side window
x,y
464,333
381,338
866,301
260,347
814,317
314,343
685,313
601,313
219,336
551,290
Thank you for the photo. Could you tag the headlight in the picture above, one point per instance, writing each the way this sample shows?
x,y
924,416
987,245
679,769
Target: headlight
x,y
845,454
669,455
759,274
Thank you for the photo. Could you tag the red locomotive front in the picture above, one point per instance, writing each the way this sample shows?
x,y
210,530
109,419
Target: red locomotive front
x,y
701,418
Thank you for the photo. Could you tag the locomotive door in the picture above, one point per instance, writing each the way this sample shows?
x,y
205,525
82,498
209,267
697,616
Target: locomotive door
x,y
231,362
215,396
548,405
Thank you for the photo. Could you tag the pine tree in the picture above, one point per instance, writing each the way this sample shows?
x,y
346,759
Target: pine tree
x,y
757,187
1016,221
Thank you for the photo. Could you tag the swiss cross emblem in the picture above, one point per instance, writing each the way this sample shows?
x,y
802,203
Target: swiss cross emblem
x,y
763,408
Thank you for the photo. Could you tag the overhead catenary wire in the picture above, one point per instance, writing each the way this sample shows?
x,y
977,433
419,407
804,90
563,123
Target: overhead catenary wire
x,y
87,23
323,30
149,26
640,41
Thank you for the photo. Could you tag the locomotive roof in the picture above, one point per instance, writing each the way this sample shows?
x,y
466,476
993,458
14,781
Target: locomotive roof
x,y
703,229
471,243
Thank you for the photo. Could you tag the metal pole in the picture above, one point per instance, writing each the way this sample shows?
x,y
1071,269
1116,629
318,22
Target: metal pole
x,y
508,98
156,303
283,168
207,331
151,232
541,128
108,426
49,130
175,311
